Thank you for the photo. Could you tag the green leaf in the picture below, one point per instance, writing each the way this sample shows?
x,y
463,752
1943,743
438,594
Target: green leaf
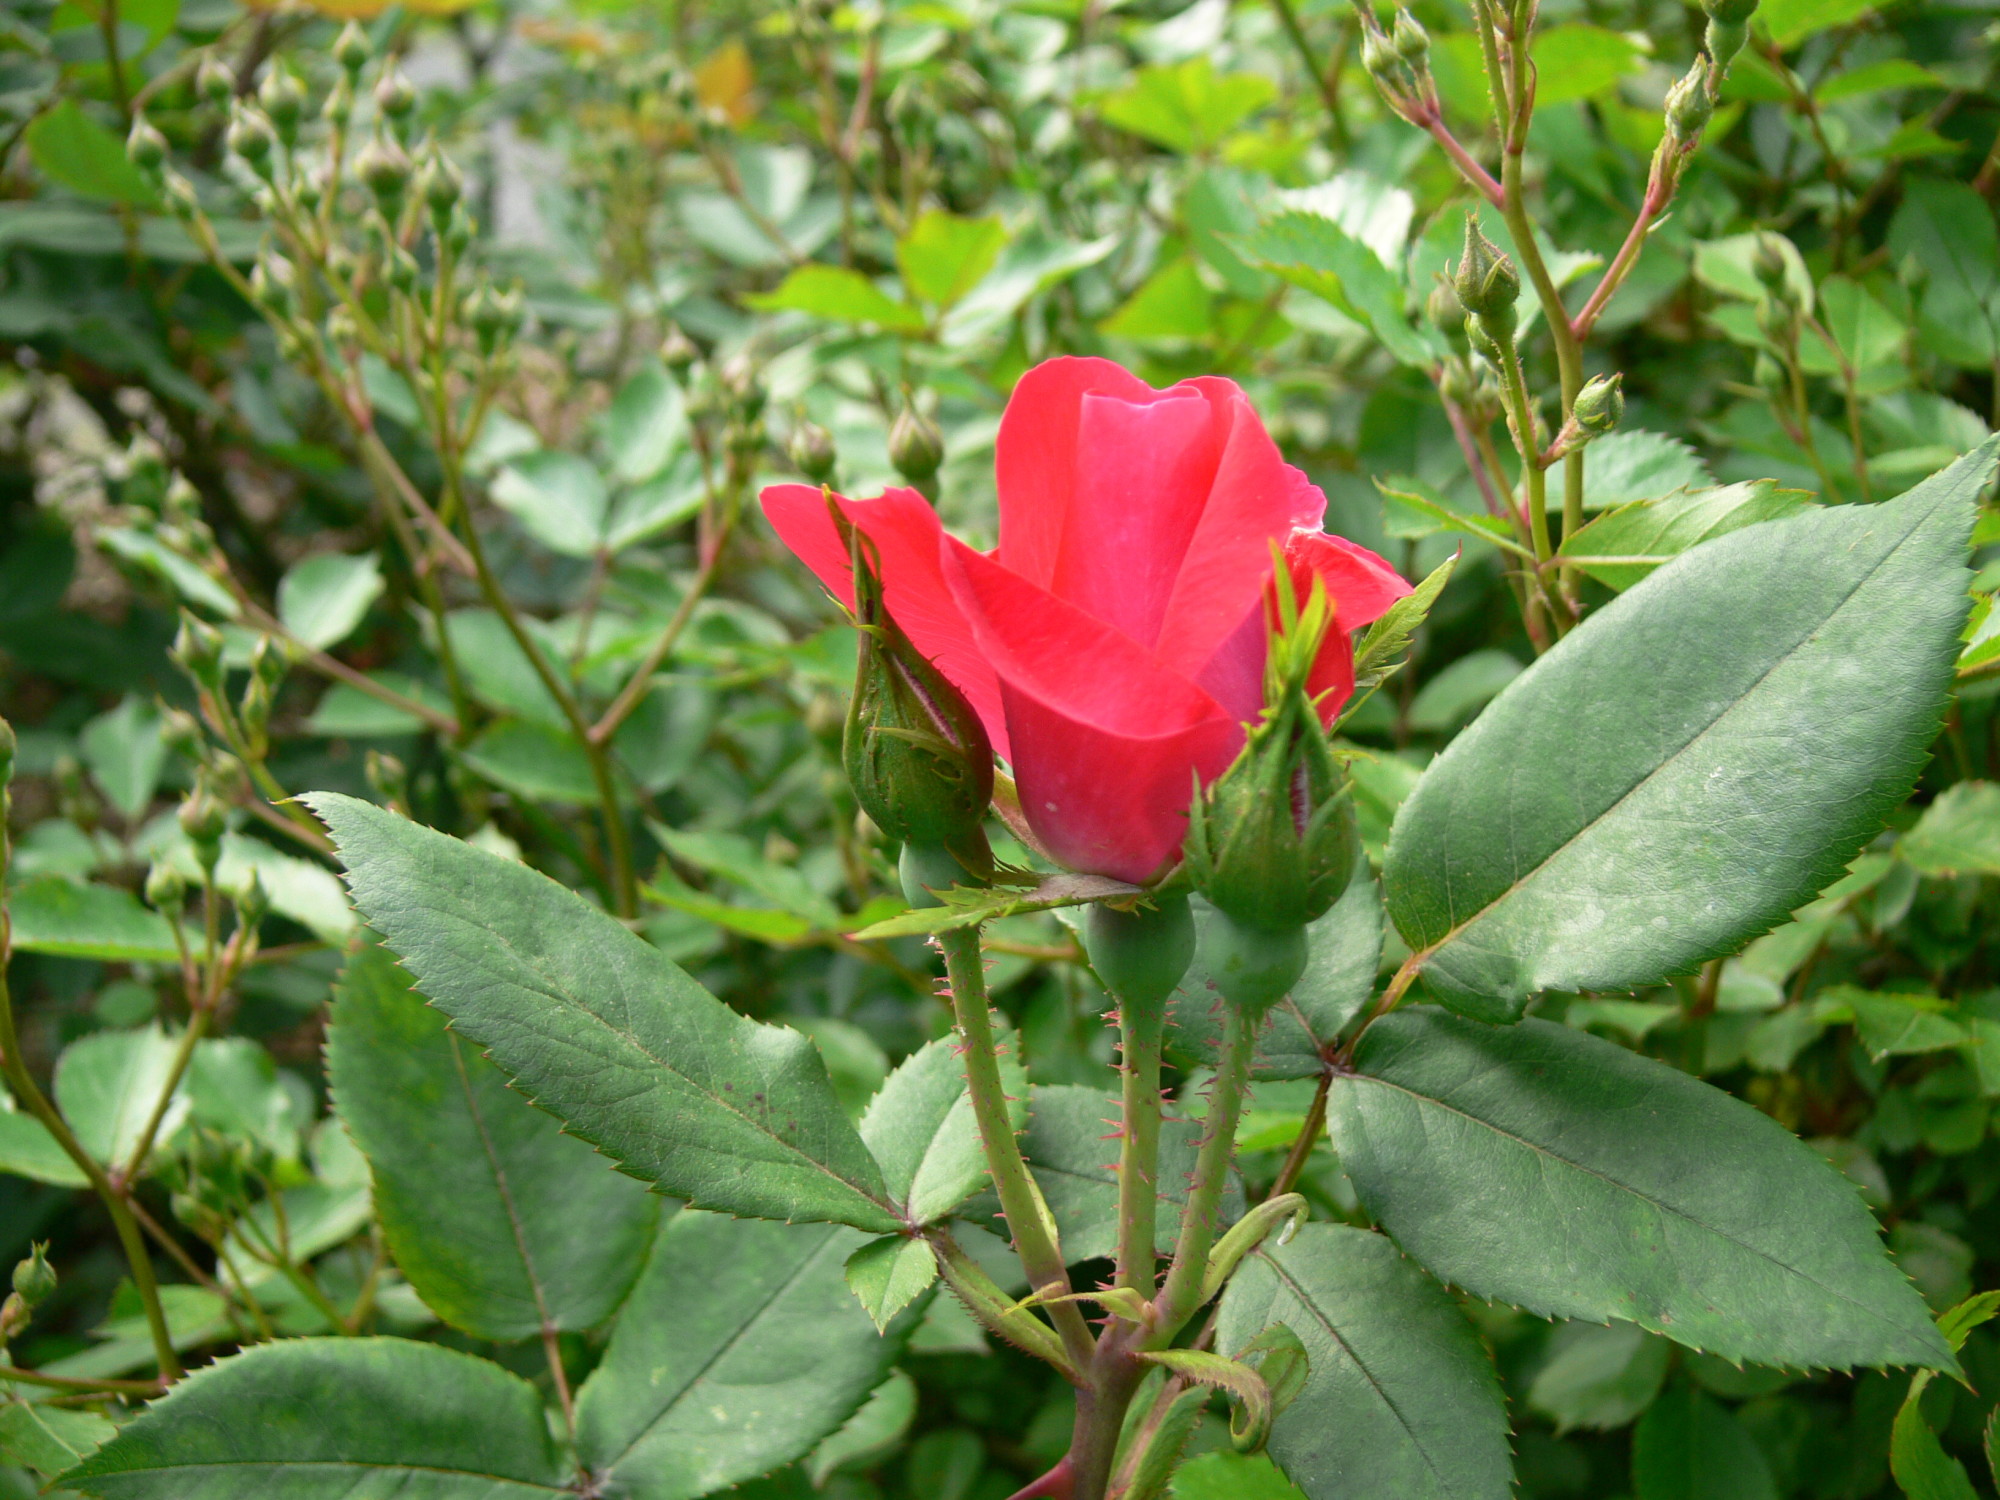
x,y
559,497
1893,1025
644,425
1958,834
1792,21
703,1389
28,1150
1411,510
920,1127
1379,654
322,598
1923,1470
1076,1165
1599,1378
943,256
1624,546
1343,950
1032,264
1949,230
1324,257
107,1085
1172,304
1729,266
1400,1397
888,1274
871,1434
49,1439
1578,61
1232,1476
1187,106
1865,333
234,1088
72,149
1464,687
967,907
126,753
841,296
1547,1168
1689,1448
1634,464
653,505
1694,761
606,1033
1874,78
504,1225
324,1419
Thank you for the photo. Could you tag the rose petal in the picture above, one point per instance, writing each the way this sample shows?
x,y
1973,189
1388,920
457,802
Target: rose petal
x,y
1361,584
1106,743
909,541
1256,500
1035,455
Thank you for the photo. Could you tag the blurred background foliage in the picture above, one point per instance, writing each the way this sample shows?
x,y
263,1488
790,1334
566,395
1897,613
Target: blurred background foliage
x,y
698,247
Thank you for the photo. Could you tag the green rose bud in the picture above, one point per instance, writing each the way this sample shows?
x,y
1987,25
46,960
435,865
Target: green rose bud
x,y
1253,968
1724,40
1600,405
214,81
271,286
1772,269
35,1278
352,49
284,100
203,819
1380,58
1411,41
252,138
1445,312
1690,104
1731,12
443,186
145,146
8,745
253,903
384,170
393,96
1487,284
812,451
678,352
166,890
197,651
916,754
916,448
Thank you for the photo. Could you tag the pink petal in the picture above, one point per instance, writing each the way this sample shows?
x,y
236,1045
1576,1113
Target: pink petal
x,y
1361,584
909,541
1035,458
1256,500
1106,744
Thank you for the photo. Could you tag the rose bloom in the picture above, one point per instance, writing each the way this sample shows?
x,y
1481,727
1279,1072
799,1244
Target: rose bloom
x,y
1113,644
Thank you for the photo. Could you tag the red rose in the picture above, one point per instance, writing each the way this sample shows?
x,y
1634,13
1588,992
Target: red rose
x,y
1113,644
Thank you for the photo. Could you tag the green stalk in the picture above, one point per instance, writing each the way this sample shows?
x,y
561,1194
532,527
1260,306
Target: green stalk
x,y
1141,1030
1028,1218
1181,1298
29,1093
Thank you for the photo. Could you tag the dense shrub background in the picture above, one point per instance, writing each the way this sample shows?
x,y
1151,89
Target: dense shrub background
x,y
981,185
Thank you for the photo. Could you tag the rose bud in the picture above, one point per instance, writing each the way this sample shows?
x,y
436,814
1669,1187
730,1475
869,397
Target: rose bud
x,y
1141,955
917,756
812,451
1690,105
35,1278
1600,405
916,448
1487,284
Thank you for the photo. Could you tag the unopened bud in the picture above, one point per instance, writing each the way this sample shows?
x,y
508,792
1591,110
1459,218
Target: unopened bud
x,y
8,747
1733,12
197,651
203,819
253,903
1141,955
1411,41
1768,374
1600,405
1487,284
145,145
1770,267
284,100
388,778
35,1278
1445,312
384,170
1380,58
915,752
214,82
1459,382
166,890
812,451
251,137
916,447
271,285
339,106
1690,104
738,376
394,96
400,270
352,49
444,185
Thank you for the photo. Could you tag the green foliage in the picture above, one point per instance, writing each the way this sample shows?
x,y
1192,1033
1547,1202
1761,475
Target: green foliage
x,y
1566,1175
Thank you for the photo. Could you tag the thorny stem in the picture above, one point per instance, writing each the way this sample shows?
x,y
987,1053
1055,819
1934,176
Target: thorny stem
x,y
1141,1029
28,1093
1179,1299
1028,1219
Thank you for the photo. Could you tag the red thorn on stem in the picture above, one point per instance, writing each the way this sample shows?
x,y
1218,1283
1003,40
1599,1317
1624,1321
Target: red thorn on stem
x,y
1057,1484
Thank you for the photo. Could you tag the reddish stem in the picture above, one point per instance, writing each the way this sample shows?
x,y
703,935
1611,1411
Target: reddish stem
x,y
1054,1485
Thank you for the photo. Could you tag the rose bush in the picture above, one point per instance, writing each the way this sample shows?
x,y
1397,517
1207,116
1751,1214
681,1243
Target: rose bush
x,y
1113,644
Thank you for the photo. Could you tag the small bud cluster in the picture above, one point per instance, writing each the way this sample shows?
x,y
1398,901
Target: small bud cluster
x,y
1398,60
1487,287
